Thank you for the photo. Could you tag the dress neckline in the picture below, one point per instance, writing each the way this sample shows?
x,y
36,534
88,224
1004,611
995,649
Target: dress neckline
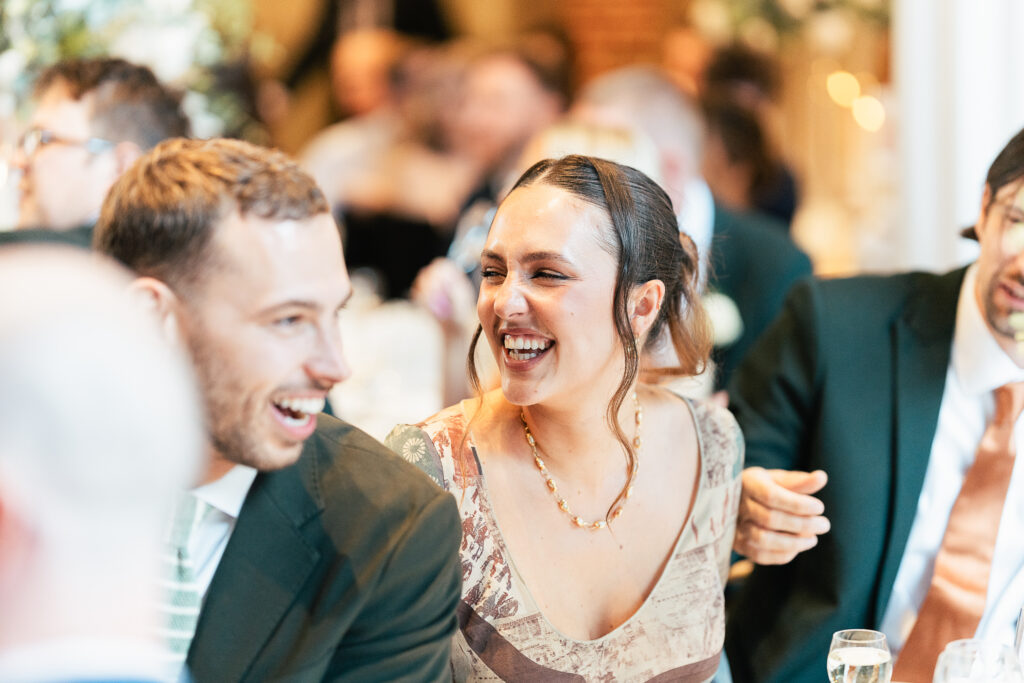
x,y
684,531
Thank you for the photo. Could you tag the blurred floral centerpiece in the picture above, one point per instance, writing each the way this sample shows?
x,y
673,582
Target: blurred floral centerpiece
x,y
198,46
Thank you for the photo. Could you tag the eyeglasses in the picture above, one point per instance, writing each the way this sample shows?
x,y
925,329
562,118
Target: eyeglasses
x,y
34,138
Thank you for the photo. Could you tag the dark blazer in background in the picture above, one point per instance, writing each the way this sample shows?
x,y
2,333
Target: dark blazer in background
x,y
849,379
76,237
753,262
343,566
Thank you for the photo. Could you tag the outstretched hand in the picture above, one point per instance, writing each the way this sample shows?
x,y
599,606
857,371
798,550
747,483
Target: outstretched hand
x,y
779,517
444,289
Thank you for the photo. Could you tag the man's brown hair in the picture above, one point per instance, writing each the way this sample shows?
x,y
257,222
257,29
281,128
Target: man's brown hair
x,y
159,217
129,103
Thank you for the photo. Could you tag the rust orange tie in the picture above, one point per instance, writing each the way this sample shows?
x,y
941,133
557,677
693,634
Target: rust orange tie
x,y
955,601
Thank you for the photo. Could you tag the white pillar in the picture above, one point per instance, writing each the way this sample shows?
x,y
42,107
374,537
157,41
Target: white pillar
x,y
958,69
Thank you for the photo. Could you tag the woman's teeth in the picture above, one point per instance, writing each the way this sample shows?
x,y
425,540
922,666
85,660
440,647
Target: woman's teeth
x,y
525,348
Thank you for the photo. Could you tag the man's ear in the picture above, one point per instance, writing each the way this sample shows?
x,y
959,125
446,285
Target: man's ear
x,y
986,198
673,174
125,154
160,300
644,305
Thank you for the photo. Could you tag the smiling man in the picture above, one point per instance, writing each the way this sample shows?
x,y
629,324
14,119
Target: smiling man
x,y
907,391
91,119
315,553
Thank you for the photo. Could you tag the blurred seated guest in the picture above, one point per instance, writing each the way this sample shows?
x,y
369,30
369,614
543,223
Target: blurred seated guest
x,y
388,174
753,80
622,145
316,552
362,65
750,262
448,286
738,165
421,20
644,99
613,498
99,426
91,119
510,93
336,157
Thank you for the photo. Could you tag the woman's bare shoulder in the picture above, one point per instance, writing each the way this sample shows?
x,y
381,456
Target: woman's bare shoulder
x,y
490,418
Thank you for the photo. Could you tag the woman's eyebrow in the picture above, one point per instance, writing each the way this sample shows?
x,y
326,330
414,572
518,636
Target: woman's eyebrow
x,y
534,256
531,257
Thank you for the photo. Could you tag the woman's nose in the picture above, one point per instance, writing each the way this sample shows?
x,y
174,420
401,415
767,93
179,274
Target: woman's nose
x,y
509,299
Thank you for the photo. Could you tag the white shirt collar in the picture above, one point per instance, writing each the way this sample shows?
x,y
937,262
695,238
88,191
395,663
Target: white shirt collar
x,y
228,493
697,214
696,218
979,363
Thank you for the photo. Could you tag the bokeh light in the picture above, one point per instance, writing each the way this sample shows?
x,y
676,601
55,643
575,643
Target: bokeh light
x,y
869,113
843,87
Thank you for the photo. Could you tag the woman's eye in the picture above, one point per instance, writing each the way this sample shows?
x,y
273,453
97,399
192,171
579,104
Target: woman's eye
x,y
289,321
490,272
548,274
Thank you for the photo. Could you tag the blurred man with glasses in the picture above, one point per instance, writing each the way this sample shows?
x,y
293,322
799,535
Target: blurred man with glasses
x,y
92,118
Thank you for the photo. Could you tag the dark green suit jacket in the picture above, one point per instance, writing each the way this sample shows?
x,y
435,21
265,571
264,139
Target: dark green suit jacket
x,y
344,566
849,379
753,262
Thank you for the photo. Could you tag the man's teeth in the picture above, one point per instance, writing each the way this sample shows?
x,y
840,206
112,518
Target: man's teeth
x,y
296,421
306,406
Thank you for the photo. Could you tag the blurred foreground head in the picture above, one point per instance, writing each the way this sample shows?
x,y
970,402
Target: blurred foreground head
x,y
91,119
237,253
99,427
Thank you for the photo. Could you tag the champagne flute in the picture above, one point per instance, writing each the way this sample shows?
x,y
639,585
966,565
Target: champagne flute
x,y
976,661
859,655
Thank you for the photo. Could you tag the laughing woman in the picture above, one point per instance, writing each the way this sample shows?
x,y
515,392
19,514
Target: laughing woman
x,y
597,512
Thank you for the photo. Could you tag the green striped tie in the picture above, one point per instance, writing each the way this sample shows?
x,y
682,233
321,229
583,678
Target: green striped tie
x,y
182,597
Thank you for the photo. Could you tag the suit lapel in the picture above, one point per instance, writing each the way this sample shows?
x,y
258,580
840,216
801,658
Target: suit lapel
x,y
922,338
264,566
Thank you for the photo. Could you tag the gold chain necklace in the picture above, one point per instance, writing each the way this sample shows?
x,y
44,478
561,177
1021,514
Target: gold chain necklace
x,y
562,503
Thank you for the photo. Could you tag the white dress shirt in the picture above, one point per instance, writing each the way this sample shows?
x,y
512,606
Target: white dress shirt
x,y
225,496
978,365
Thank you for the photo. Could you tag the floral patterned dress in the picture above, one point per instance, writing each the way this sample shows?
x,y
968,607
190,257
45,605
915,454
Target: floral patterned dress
x,y
675,635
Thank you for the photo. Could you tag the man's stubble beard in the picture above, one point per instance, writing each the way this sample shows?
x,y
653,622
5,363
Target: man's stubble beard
x,y
227,410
